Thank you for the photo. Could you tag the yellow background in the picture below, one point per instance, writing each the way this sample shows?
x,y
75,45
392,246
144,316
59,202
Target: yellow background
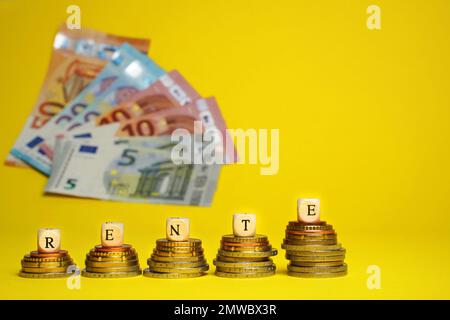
x,y
364,125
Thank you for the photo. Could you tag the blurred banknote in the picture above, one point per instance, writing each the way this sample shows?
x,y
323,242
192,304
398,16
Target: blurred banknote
x,y
130,169
77,57
126,73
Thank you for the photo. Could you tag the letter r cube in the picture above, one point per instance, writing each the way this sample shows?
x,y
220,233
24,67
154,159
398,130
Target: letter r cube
x,y
49,240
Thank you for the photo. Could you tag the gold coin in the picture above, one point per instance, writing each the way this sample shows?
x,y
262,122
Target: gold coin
x,y
316,253
158,258
180,270
152,264
246,269
309,227
103,264
244,275
233,238
317,263
88,274
29,258
150,274
219,263
44,270
94,253
316,259
44,275
311,248
46,264
317,275
248,254
189,243
122,248
317,269
111,259
307,242
112,269
240,259
302,223
174,254
179,249
232,248
245,244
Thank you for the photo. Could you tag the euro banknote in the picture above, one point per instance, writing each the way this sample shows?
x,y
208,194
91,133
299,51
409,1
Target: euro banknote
x,y
77,57
127,170
126,73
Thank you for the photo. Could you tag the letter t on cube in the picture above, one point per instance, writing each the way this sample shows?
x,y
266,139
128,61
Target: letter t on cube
x,y
112,234
177,229
308,210
49,240
244,224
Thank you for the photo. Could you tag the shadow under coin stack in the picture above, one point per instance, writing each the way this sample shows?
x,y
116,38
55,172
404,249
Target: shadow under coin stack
x,y
311,245
49,261
245,254
113,258
177,256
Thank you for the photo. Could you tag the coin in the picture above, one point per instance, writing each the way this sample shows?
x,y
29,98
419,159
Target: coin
x,y
152,263
290,233
316,259
94,253
150,274
88,274
240,259
248,254
46,264
309,227
29,258
159,258
317,263
310,242
190,243
112,269
44,270
302,223
233,238
179,249
317,269
45,275
232,248
245,269
122,248
59,254
310,236
174,254
111,258
308,248
317,275
244,275
245,264
180,270
103,264
245,244
316,253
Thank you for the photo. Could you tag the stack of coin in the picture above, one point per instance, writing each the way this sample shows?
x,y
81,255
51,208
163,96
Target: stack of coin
x,y
112,262
177,259
46,265
313,250
112,258
245,257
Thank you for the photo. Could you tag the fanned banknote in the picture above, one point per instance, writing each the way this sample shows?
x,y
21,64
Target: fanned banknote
x,y
127,170
126,73
77,57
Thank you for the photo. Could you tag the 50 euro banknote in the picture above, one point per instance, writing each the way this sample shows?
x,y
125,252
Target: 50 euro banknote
x,y
77,58
132,169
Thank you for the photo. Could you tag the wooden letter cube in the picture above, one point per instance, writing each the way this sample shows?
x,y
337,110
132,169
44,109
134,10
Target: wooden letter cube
x,y
177,229
112,234
49,240
308,210
244,224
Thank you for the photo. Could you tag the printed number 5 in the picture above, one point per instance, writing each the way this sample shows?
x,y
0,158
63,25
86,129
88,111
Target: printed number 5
x,y
128,155
71,184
